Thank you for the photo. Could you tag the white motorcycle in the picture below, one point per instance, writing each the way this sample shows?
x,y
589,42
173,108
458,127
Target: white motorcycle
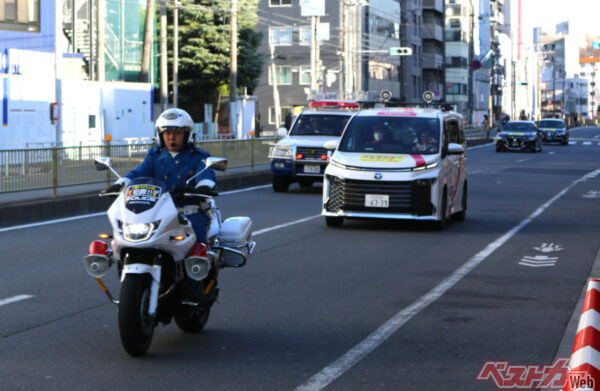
x,y
164,273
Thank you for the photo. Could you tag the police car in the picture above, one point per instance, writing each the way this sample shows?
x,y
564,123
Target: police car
x,y
398,163
554,130
301,155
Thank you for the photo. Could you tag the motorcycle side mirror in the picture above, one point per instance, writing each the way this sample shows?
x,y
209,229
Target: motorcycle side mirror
x,y
103,164
216,163
212,163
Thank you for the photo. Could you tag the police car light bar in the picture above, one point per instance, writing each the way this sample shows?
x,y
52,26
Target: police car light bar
x,y
331,103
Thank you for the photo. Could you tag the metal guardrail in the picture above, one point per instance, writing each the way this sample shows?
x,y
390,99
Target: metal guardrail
x,y
52,168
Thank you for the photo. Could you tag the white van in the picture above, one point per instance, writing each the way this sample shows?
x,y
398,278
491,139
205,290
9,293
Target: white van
x,y
398,163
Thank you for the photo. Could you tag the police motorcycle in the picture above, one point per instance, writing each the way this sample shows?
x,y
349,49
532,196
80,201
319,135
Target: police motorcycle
x,y
164,273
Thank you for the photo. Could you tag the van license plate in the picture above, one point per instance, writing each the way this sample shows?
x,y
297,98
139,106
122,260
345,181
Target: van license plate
x,y
377,201
312,169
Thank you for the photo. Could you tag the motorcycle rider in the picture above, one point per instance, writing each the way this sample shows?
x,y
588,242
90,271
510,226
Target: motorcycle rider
x,y
173,162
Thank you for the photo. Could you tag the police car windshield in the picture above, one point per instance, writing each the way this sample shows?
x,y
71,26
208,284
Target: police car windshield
x,y
392,135
319,125
519,127
552,124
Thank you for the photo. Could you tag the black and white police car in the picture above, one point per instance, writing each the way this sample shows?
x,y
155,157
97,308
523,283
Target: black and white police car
x,y
300,156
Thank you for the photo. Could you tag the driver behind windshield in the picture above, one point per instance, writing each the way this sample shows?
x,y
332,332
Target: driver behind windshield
x,y
174,162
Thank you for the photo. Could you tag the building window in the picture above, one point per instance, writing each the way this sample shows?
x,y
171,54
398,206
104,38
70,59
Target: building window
x,y
280,36
304,74
456,89
382,71
280,3
284,75
284,111
20,15
456,62
455,23
304,35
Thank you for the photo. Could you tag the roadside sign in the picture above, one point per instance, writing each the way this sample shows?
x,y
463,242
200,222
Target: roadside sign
x,y
596,44
312,7
476,65
400,51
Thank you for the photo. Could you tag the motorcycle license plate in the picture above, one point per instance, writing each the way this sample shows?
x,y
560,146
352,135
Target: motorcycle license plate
x,y
312,169
377,201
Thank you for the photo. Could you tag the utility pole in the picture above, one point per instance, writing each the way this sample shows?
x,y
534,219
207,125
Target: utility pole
x,y
553,86
470,64
313,53
100,30
233,116
147,48
57,71
91,62
176,54
275,91
164,77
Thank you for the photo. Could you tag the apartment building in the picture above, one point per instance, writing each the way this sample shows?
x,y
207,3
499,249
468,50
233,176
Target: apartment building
x,y
353,54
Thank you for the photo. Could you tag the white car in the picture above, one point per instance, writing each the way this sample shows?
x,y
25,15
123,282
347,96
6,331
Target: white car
x,y
398,163
300,156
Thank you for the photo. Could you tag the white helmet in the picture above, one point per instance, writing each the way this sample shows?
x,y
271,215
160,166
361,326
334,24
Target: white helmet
x,y
174,119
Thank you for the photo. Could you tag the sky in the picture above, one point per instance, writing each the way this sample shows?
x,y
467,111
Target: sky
x,y
583,15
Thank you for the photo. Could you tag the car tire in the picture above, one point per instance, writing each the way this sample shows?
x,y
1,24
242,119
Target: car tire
x,y
564,142
280,184
441,224
533,148
334,221
498,148
462,215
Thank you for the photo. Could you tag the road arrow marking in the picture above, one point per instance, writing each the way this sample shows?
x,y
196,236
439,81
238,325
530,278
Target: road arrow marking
x,y
538,261
549,247
592,194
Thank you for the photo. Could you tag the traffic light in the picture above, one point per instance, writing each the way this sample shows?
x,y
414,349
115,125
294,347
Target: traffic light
x,y
400,51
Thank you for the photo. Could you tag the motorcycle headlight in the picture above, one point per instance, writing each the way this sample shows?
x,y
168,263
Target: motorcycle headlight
x,y
280,151
139,232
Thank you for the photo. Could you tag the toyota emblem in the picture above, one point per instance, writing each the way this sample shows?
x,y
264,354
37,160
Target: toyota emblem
x,y
378,175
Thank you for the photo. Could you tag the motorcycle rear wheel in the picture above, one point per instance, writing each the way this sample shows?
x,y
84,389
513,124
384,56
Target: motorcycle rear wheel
x,y
136,326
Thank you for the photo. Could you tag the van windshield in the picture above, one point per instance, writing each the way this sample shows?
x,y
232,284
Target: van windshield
x,y
392,135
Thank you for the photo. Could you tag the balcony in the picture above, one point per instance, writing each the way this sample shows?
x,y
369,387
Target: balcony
x,y
455,36
432,61
433,31
434,5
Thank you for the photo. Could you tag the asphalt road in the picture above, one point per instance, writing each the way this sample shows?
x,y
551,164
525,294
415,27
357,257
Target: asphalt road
x,y
299,314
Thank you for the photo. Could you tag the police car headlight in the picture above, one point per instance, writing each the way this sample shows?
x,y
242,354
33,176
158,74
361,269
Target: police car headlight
x,y
280,151
560,131
139,232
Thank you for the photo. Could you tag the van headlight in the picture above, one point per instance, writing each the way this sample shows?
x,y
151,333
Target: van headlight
x,y
280,151
335,163
427,167
139,232
531,138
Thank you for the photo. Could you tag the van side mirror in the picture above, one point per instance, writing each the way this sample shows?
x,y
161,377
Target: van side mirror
x,y
282,132
455,149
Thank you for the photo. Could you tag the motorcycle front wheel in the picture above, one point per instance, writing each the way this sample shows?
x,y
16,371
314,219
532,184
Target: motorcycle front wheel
x,y
135,325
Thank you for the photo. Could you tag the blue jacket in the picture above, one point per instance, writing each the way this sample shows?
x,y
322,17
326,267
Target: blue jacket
x,y
174,171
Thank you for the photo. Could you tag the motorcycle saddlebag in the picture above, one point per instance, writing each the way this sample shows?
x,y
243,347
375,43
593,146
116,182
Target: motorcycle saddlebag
x,y
236,233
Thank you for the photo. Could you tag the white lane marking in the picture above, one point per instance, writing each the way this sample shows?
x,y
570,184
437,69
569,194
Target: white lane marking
x,y
376,338
39,224
587,143
523,160
551,153
265,230
597,136
481,146
243,190
572,142
475,172
14,299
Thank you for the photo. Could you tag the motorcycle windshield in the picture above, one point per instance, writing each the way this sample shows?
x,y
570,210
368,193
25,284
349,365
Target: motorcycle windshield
x,y
142,194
